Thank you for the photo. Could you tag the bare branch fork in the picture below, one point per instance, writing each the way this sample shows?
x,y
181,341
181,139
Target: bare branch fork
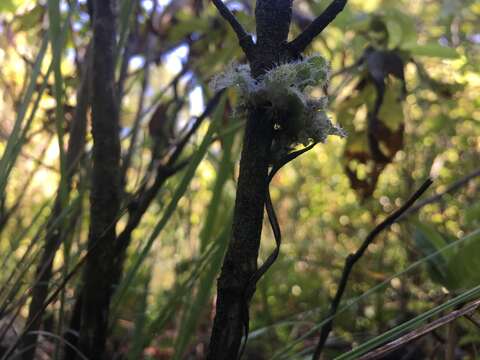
x,y
352,259
300,43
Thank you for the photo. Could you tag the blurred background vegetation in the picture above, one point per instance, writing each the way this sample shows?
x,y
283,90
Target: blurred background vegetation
x,y
326,201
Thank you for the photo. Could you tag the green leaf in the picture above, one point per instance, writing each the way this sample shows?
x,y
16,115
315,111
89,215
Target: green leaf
x,y
432,50
391,111
394,33
401,27
464,265
429,241
456,269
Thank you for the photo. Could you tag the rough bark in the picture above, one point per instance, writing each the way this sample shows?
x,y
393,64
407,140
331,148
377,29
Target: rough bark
x,y
105,192
239,273
240,263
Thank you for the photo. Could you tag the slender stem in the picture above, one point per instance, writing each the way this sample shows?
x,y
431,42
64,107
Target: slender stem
x,y
449,190
300,43
352,259
144,197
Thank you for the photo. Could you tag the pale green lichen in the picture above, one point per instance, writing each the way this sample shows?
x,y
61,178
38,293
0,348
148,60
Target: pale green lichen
x,y
284,92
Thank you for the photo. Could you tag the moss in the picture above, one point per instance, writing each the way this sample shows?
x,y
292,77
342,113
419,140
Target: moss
x,y
298,118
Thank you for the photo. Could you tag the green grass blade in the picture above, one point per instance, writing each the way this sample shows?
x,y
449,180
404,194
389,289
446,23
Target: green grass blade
x,y
194,312
15,243
32,253
127,9
410,325
14,141
136,349
285,352
57,38
223,173
178,194
183,289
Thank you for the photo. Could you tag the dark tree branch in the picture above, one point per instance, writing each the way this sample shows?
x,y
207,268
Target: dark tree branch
x,y
144,196
352,259
227,15
139,205
450,189
300,43
244,39
234,286
240,261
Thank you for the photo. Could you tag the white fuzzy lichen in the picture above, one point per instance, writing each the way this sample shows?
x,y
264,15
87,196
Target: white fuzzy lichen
x,y
283,90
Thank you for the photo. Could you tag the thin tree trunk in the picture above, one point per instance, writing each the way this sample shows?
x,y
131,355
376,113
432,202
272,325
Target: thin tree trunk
x,y
236,283
240,264
105,193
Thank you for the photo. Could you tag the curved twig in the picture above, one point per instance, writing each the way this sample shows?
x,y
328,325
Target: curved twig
x,y
272,217
352,259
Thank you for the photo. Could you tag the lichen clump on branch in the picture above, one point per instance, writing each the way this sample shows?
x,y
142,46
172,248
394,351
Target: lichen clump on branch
x,y
298,117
